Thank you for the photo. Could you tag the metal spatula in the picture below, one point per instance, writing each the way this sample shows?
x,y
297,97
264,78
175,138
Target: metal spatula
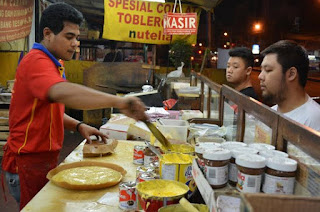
x,y
158,135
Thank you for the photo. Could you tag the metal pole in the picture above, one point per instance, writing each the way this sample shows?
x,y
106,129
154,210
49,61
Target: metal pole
x,y
36,31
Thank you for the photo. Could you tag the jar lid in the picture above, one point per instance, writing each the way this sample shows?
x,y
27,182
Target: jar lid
x,y
261,146
251,161
217,154
243,150
201,147
282,164
268,153
232,144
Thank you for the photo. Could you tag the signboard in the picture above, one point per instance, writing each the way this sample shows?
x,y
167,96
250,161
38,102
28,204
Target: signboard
x,y
180,23
141,21
15,19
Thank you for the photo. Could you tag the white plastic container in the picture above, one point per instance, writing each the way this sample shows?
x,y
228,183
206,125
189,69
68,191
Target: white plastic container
x,y
261,146
230,145
174,129
210,139
272,153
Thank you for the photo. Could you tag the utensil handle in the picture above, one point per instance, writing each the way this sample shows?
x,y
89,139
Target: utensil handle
x,y
187,205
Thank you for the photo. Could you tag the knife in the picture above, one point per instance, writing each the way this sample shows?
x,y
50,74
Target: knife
x,y
165,143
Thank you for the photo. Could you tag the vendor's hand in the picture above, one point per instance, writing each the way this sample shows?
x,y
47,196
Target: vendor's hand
x,y
86,131
134,108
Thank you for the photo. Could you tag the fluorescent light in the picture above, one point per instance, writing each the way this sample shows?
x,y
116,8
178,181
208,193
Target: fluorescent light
x,y
312,57
255,49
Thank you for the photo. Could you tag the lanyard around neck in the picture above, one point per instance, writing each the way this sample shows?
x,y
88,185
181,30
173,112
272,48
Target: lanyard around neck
x,y
56,62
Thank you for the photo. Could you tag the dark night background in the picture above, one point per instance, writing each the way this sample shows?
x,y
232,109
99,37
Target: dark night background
x,y
280,19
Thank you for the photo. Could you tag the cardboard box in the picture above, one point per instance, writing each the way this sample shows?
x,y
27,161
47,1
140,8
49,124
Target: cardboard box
x,y
93,34
4,113
139,131
2,143
4,121
4,135
284,203
116,131
121,119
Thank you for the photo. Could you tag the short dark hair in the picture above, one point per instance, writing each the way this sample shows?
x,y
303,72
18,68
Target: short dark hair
x,y
243,52
290,54
54,16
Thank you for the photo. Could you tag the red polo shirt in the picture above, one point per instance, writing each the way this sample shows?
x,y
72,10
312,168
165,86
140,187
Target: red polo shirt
x,y
35,124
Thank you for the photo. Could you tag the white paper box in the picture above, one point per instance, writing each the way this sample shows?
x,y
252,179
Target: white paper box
x,y
116,131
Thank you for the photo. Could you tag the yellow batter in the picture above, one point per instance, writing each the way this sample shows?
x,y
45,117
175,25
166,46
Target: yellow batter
x,y
162,188
176,158
182,148
87,175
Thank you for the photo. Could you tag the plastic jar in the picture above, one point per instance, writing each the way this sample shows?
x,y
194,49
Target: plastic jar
x,y
251,167
268,153
200,148
280,176
230,145
233,170
216,166
261,146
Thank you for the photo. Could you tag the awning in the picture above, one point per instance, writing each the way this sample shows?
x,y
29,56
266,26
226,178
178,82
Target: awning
x,y
96,7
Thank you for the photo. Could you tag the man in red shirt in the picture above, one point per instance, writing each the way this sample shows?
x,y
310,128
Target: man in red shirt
x,y
40,94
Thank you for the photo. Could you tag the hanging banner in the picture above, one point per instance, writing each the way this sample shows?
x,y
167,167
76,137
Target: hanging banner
x,y
141,21
180,24
15,19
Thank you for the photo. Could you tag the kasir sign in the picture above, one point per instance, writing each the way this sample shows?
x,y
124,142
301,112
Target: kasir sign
x,y
180,23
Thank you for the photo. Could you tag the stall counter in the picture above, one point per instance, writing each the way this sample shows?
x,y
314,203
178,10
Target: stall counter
x,y
54,198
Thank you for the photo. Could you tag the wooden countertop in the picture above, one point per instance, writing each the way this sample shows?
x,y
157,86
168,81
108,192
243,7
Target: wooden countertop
x,y
54,198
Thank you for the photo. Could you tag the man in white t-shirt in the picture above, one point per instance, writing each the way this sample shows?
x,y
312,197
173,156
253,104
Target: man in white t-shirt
x,y
284,72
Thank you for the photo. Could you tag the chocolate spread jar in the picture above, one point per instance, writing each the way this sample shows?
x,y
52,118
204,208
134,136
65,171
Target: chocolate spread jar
x,y
280,176
269,153
200,148
230,145
233,170
251,167
216,167
261,146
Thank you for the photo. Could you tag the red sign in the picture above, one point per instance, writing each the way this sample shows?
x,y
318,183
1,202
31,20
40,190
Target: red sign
x,y
180,23
15,19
